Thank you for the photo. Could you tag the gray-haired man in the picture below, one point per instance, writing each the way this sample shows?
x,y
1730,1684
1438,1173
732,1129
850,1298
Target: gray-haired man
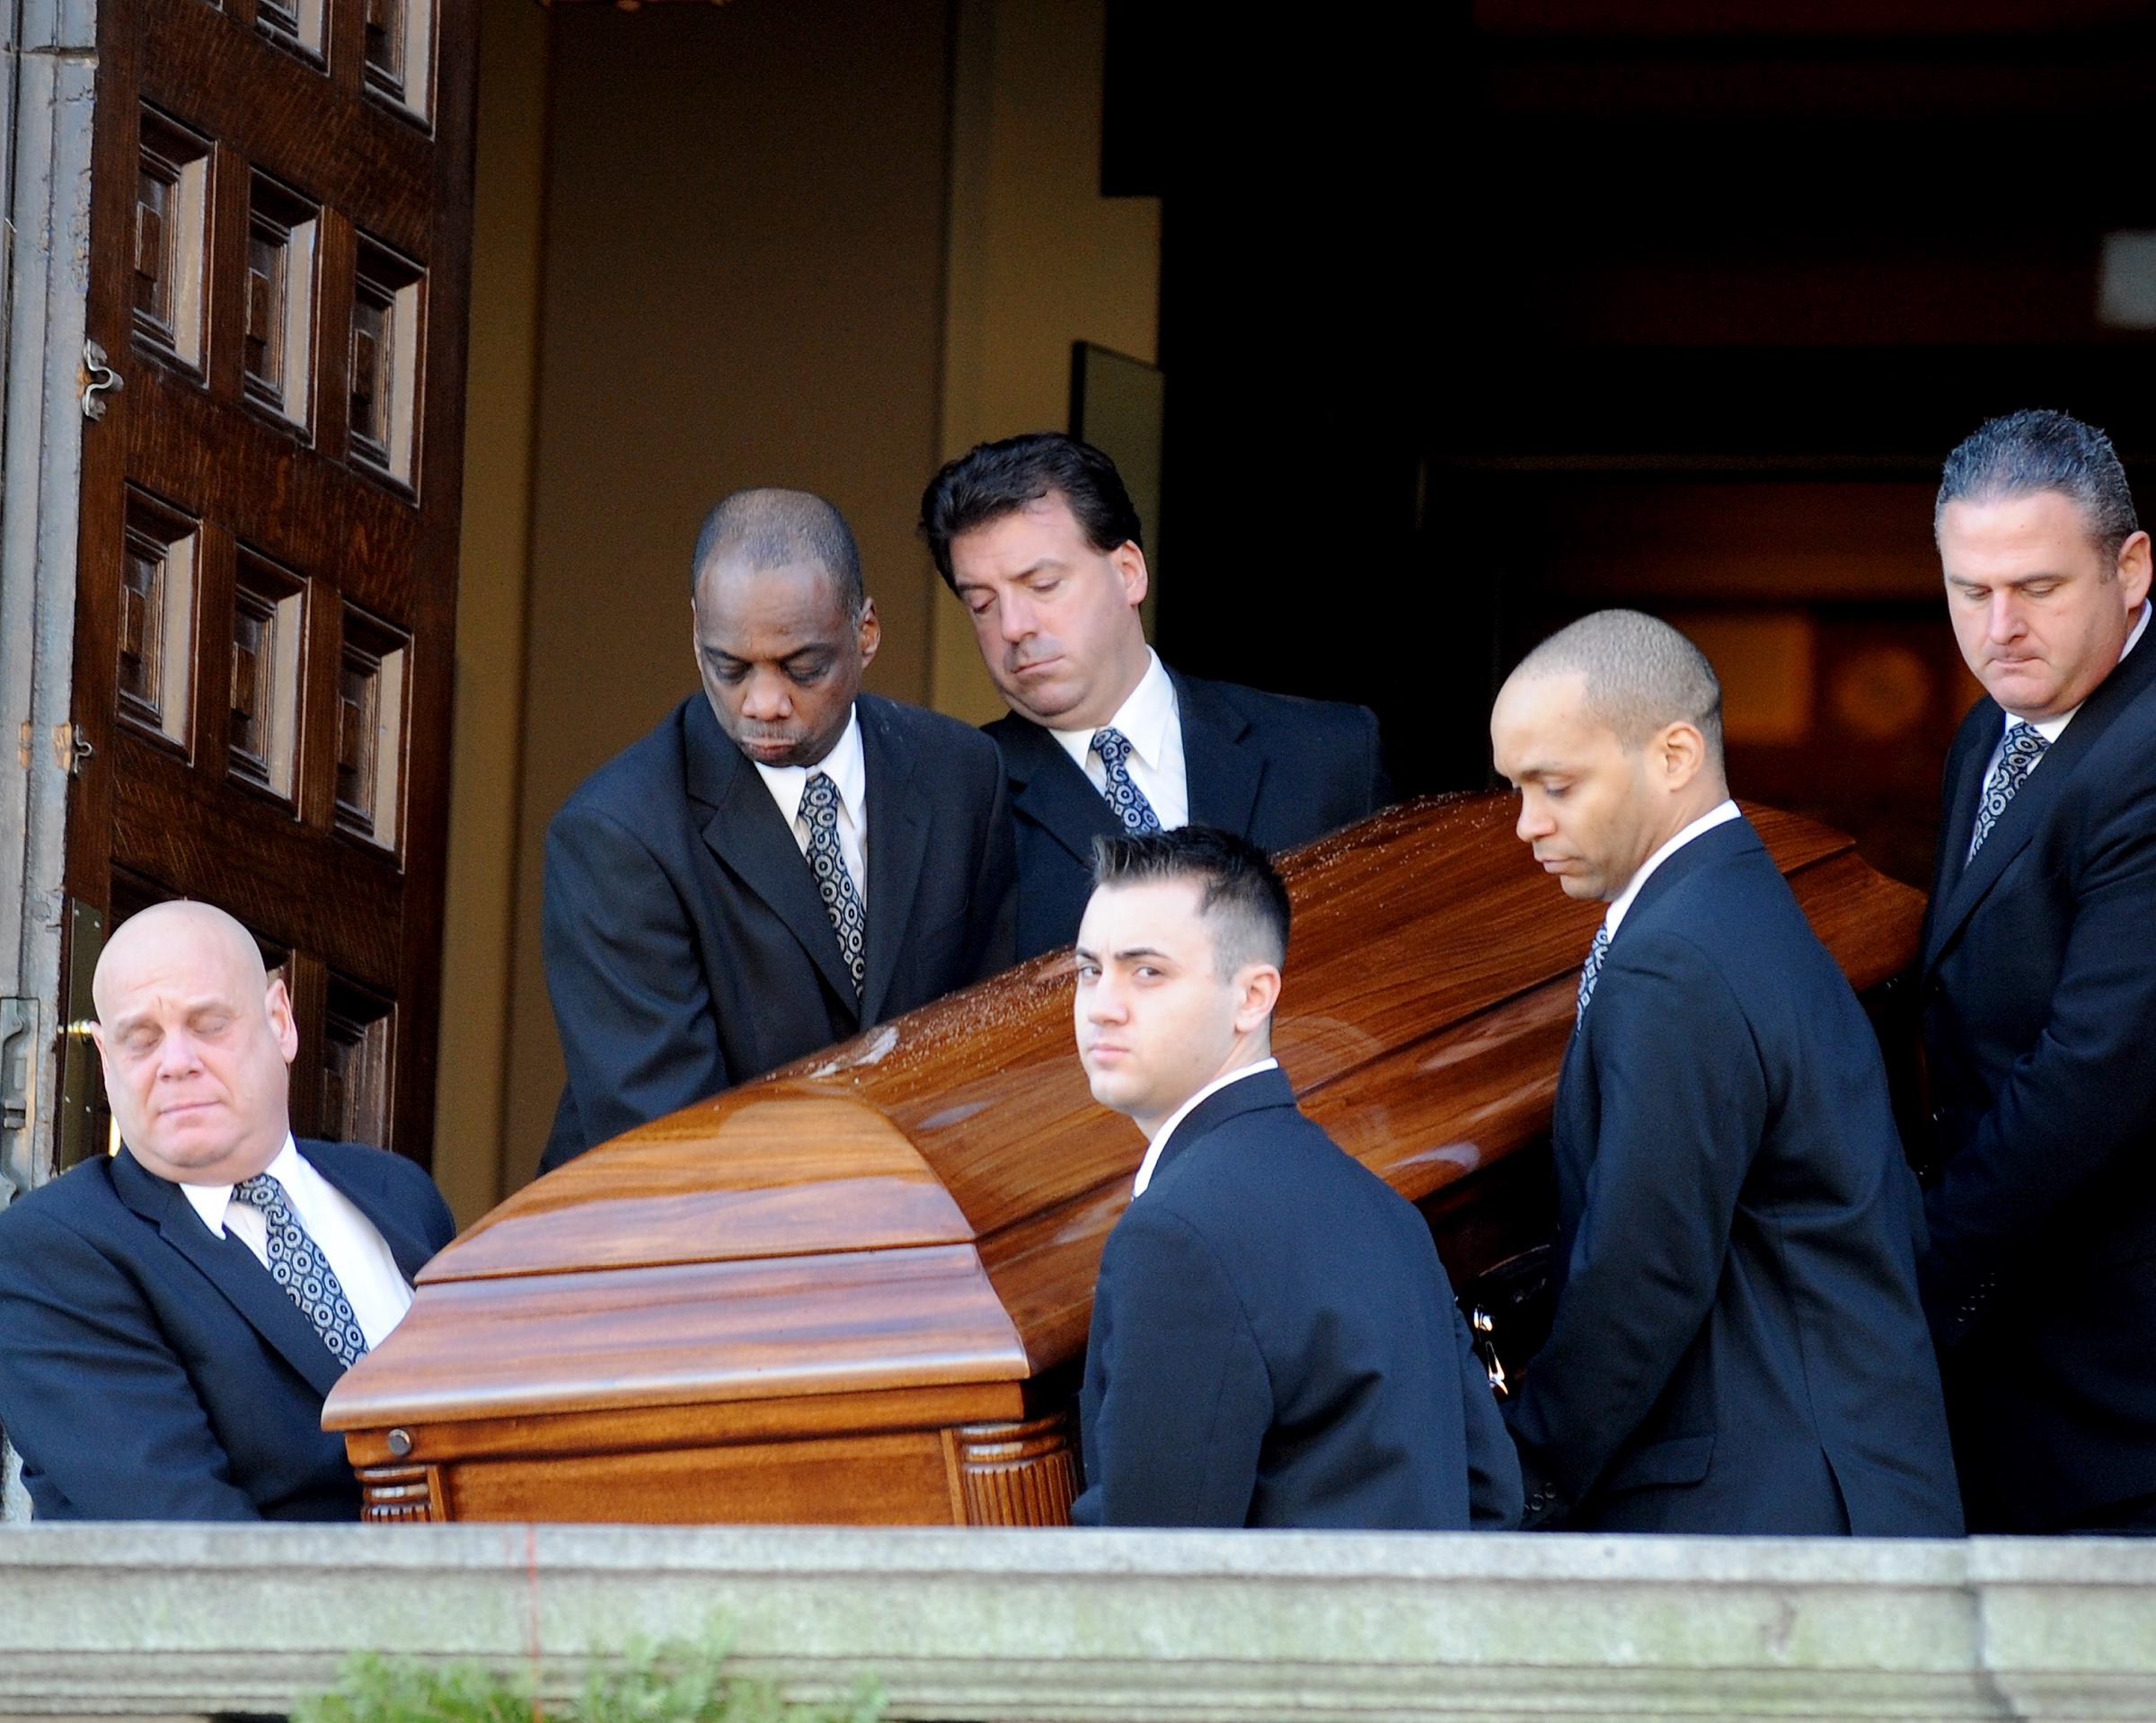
x,y
2039,988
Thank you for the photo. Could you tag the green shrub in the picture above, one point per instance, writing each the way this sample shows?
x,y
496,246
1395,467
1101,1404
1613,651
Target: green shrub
x,y
680,1680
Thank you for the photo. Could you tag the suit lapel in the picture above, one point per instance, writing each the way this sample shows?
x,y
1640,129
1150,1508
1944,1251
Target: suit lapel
x,y
742,826
897,845
348,1168
1971,750
231,1267
2032,803
1220,775
1727,841
1052,792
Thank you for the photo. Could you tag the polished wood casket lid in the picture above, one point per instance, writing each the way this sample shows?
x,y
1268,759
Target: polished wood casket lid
x,y
924,1207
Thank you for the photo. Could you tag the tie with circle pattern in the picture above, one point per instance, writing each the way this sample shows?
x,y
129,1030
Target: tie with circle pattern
x,y
298,1265
2017,756
1122,793
834,878
1590,970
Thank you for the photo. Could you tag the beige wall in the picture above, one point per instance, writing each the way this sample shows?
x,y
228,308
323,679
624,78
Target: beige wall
x,y
477,927
1037,258
742,285
732,246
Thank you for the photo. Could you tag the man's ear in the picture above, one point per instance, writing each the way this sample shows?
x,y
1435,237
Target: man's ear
x,y
1257,992
2134,570
276,1006
869,631
1130,564
1681,751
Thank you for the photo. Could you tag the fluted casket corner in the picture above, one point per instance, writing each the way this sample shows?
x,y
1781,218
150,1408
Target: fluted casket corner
x,y
857,1291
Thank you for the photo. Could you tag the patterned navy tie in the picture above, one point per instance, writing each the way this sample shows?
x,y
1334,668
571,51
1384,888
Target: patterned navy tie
x,y
833,880
1124,795
2017,756
298,1265
1590,970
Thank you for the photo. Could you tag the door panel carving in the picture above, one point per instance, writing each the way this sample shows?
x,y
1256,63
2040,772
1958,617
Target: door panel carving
x,y
156,620
172,204
281,194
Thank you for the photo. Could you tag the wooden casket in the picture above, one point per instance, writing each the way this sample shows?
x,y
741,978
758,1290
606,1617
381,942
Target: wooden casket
x,y
857,1291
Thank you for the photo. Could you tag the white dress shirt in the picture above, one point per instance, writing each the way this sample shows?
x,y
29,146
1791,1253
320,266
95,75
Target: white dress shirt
x,y
848,770
1167,1130
2050,728
1719,815
1153,727
364,1264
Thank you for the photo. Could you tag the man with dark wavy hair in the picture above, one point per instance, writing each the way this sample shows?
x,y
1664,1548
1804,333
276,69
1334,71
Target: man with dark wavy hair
x,y
1038,537
2039,988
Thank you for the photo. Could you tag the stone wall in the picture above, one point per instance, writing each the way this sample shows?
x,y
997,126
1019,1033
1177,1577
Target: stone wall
x,y
142,1621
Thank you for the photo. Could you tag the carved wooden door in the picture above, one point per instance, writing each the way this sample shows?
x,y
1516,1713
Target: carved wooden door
x,y
279,249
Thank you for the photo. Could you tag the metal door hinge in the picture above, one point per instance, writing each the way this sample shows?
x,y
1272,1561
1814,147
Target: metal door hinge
x,y
99,380
72,749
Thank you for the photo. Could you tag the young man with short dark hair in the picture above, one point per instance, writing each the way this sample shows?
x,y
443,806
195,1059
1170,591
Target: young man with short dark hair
x,y
1274,1340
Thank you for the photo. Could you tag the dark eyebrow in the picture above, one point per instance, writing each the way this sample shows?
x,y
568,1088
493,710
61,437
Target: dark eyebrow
x,y
1130,951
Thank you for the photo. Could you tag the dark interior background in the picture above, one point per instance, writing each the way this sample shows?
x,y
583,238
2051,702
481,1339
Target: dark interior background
x,y
1475,322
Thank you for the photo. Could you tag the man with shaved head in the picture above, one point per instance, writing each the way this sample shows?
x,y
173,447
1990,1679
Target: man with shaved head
x,y
172,1318
1738,1345
784,862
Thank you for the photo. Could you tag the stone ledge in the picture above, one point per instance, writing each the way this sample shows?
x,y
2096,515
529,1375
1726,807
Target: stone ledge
x,y
140,1622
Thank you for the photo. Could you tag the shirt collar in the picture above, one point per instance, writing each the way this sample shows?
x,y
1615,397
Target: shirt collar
x,y
211,1201
1161,1136
2052,729
845,764
1721,814
1145,718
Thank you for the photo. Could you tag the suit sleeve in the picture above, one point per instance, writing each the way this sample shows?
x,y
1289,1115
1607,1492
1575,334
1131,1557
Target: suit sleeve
x,y
2082,1098
1682,1108
992,922
93,1395
632,1002
1381,780
1185,1400
1495,1498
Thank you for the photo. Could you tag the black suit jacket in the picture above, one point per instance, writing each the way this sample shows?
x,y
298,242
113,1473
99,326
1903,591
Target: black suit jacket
x,y
150,1370
686,947
2039,1000
1739,1344
1274,1343
1275,769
